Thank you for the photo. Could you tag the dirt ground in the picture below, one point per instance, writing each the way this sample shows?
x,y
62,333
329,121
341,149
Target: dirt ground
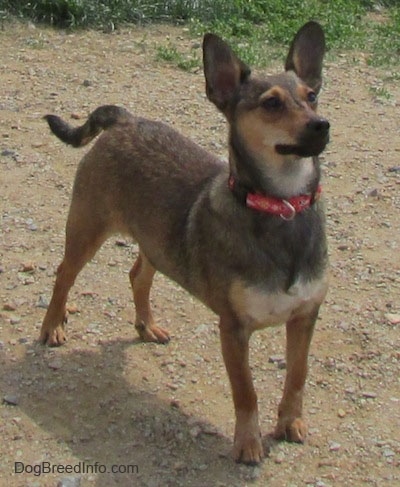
x,y
163,414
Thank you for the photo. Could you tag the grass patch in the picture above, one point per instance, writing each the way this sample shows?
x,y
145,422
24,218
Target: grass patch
x,y
257,29
384,42
171,54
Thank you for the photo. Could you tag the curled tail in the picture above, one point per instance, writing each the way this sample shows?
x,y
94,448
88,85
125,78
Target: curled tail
x,y
101,119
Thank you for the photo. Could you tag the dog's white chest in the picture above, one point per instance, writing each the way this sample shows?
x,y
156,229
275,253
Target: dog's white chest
x,y
260,308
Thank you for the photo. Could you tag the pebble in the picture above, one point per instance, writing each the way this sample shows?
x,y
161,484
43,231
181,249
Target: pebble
x,y
341,413
8,153
10,399
388,453
333,446
15,320
72,309
42,302
393,319
55,364
27,267
31,225
373,193
9,306
121,243
69,482
369,395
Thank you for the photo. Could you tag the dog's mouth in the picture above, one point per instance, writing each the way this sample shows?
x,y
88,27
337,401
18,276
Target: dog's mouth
x,y
308,149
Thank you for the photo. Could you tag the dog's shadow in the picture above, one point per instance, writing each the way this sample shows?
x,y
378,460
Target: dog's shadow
x,y
83,400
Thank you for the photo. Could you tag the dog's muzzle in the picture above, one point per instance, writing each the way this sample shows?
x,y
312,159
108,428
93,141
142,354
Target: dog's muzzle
x,y
312,141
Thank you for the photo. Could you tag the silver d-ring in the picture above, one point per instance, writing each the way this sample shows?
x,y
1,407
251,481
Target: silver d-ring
x,y
292,211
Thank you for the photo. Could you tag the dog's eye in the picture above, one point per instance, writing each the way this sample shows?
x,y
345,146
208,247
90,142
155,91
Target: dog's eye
x,y
311,97
272,103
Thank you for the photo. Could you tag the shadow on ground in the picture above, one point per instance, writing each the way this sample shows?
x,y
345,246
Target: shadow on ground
x,y
83,400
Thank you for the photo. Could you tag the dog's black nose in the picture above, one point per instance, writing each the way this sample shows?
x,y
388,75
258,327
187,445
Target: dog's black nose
x,y
319,126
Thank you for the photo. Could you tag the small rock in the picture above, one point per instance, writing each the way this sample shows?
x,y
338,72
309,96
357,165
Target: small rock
x,y
15,320
69,482
31,225
373,193
393,319
175,403
8,153
55,364
280,458
9,306
369,394
27,267
387,453
42,302
341,413
72,309
121,243
10,399
394,169
76,116
278,360
87,83
333,446
274,359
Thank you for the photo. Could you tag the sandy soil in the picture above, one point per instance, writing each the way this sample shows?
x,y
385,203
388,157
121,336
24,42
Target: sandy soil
x,y
106,399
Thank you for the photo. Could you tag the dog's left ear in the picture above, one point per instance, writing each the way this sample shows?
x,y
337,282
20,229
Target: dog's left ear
x,y
306,54
223,70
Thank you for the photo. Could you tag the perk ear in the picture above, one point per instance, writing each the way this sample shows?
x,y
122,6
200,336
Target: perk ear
x,y
223,70
306,54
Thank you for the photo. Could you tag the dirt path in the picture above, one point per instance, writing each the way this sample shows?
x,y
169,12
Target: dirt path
x,y
108,399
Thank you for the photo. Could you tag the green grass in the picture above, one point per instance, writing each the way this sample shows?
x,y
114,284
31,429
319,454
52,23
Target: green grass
x,y
256,28
171,54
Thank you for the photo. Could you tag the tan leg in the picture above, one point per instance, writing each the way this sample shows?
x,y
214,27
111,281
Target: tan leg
x,y
299,331
82,242
141,277
235,350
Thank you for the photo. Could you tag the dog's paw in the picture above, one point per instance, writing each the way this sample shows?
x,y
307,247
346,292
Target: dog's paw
x,y
291,429
53,338
152,333
248,450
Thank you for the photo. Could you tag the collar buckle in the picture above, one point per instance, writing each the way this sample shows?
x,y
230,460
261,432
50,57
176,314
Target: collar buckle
x,y
292,210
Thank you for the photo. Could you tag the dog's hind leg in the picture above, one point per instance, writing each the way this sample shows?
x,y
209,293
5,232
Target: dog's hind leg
x,y
141,278
299,331
84,236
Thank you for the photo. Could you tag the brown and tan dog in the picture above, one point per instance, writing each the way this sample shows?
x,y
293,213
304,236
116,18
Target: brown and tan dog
x,y
246,238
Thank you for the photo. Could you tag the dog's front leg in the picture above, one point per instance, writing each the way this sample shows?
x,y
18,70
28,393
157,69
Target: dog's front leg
x,y
299,331
235,349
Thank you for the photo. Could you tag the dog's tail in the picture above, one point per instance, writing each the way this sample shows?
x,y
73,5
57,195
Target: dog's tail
x,y
101,119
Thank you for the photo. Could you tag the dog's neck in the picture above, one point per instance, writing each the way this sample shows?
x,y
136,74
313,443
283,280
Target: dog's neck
x,y
293,177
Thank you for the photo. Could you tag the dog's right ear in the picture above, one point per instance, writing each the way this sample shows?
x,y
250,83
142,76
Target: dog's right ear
x,y
223,70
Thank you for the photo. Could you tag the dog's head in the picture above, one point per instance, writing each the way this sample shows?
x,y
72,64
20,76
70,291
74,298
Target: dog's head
x,y
272,119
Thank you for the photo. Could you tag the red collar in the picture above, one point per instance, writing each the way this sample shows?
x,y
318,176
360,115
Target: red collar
x,y
286,209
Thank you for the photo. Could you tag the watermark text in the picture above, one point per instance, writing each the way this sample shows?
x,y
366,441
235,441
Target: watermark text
x,y
44,468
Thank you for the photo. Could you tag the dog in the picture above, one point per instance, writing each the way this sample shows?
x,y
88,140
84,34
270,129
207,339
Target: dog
x,y
246,238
